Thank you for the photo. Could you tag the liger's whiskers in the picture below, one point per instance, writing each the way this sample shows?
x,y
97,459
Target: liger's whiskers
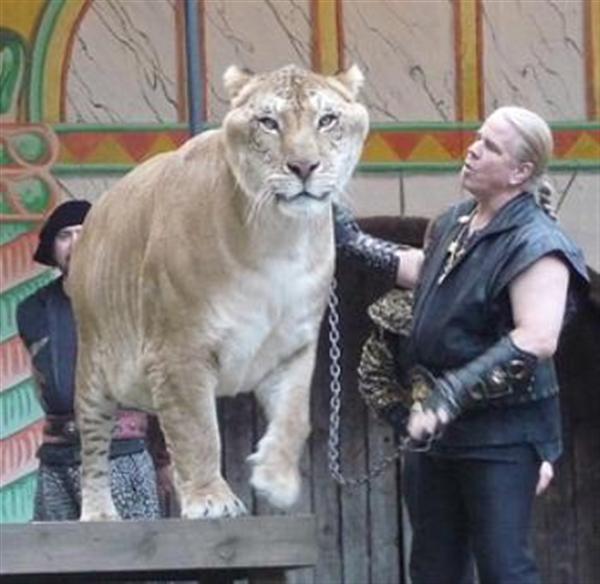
x,y
256,206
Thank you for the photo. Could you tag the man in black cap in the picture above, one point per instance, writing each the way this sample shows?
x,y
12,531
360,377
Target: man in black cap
x,y
59,233
47,327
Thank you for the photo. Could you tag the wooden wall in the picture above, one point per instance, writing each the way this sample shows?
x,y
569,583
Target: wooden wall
x,y
360,536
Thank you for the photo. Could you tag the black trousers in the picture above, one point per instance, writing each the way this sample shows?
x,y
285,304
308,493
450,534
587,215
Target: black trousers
x,y
467,512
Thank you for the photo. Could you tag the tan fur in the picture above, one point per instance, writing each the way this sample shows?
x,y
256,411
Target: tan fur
x,y
202,273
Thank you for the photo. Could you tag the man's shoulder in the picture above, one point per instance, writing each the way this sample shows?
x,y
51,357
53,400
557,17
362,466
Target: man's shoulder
x,y
541,236
35,303
543,231
449,216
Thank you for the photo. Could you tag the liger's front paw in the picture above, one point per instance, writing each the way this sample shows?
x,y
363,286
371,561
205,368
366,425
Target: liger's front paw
x,y
212,502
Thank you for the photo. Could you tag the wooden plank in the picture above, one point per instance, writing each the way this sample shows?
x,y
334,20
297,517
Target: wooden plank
x,y
261,505
384,512
304,506
174,545
325,490
570,535
587,486
236,421
354,433
555,524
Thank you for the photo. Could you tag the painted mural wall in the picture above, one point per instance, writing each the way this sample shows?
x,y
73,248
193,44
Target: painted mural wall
x,y
90,88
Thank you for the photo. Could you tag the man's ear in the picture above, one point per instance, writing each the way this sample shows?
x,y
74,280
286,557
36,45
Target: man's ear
x,y
522,173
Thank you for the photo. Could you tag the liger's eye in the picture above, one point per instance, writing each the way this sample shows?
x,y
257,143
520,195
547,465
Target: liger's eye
x,y
268,123
327,121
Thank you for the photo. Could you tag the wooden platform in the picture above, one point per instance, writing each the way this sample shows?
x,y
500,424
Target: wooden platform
x,y
171,549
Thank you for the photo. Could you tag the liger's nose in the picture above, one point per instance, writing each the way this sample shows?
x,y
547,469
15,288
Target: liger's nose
x,y
303,168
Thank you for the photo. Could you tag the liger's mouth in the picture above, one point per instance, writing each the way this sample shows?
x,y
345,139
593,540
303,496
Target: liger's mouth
x,y
303,195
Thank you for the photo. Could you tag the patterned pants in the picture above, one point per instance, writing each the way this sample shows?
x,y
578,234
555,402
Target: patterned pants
x,y
133,487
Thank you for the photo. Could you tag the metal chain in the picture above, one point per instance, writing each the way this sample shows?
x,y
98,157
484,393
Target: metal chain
x,y
335,386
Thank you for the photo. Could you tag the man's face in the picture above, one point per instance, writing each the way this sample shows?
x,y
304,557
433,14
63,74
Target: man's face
x,y
490,166
63,246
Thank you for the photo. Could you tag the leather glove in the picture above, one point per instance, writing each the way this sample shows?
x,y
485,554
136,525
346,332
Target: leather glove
x,y
364,250
502,370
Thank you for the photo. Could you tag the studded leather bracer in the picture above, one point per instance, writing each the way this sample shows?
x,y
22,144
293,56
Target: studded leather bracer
x,y
502,371
364,250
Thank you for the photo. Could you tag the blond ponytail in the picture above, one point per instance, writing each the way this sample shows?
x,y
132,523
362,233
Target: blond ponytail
x,y
544,193
535,146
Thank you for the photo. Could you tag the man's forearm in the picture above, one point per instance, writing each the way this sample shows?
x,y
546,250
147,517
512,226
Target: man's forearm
x,y
502,370
399,264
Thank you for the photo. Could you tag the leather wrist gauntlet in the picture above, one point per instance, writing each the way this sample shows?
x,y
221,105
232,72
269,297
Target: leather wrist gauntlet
x,y
502,370
365,250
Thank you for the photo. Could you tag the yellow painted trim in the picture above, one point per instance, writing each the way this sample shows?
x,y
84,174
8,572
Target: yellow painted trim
x,y
56,56
593,57
22,17
327,39
468,60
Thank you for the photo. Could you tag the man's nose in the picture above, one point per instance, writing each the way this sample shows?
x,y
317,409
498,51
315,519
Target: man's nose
x,y
473,149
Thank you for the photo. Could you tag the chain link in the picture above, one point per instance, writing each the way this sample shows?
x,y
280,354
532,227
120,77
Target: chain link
x,y
335,371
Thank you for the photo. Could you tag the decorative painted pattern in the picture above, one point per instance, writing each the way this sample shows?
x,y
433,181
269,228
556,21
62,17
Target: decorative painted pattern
x,y
28,189
22,17
429,147
100,145
19,407
443,148
50,55
14,366
17,453
16,500
17,266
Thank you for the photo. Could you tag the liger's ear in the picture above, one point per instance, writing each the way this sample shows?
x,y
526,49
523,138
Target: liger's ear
x,y
352,79
235,79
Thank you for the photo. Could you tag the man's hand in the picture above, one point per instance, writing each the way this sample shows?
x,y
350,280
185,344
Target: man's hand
x,y
425,423
546,475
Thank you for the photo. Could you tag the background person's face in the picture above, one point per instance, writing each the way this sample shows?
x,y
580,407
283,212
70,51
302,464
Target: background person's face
x,y
63,246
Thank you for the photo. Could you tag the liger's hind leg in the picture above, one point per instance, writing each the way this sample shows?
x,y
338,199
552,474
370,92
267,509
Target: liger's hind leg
x,y
95,412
